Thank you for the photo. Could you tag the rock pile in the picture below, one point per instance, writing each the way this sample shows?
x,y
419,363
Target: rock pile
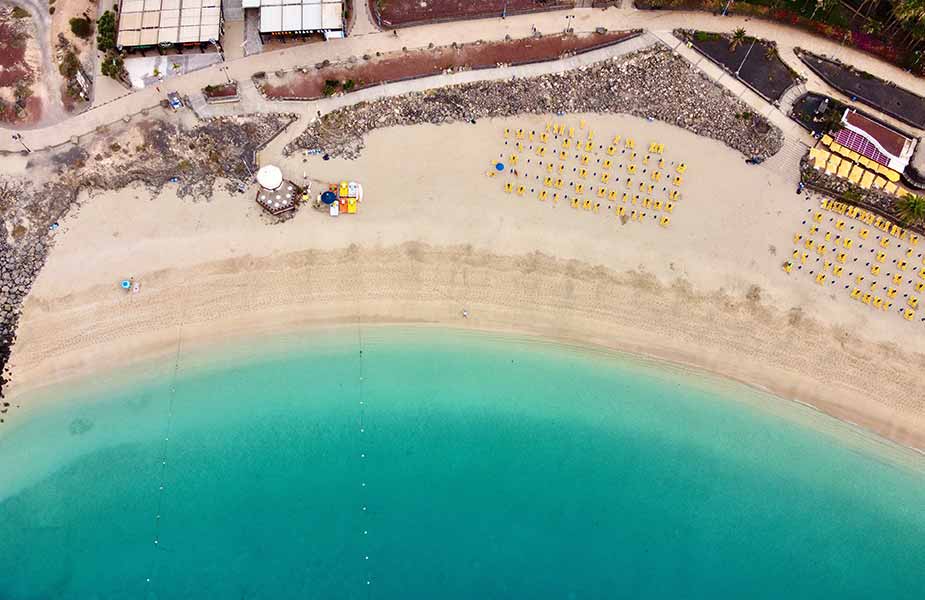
x,y
653,82
153,152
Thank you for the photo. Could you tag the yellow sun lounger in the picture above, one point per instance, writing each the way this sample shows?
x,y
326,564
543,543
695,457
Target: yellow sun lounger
x,y
880,182
867,180
909,314
664,221
832,166
630,143
856,293
605,177
682,168
575,202
676,180
835,147
827,140
607,164
890,188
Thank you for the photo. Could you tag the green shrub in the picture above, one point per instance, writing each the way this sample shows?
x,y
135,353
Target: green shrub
x,y
20,13
82,27
706,36
69,64
106,32
113,65
349,85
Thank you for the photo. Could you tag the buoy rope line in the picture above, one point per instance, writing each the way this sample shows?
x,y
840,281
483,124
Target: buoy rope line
x,y
164,445
364,517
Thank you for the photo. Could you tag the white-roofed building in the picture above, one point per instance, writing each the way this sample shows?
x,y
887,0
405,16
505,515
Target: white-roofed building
x,y
165,23
299,17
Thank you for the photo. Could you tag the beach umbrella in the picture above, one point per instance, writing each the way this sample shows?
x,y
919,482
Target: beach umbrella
x,y
126,284
329,197
499,166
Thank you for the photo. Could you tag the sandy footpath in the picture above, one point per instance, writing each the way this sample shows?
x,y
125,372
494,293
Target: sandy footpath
x,y
436,236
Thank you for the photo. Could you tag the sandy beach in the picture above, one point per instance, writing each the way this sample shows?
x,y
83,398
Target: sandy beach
x,y
435,237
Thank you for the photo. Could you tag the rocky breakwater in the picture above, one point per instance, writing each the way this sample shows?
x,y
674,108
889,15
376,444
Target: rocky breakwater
x,y
651,83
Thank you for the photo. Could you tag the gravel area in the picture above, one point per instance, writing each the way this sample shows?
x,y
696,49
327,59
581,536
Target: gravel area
x,y
150,151
755,62
653,83
882,95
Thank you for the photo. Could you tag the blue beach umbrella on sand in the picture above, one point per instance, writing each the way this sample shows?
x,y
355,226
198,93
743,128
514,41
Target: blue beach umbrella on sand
x,y
499,166
329,197
126,284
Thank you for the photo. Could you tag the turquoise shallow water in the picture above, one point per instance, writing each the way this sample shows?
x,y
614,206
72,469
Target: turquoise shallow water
x,y
440,464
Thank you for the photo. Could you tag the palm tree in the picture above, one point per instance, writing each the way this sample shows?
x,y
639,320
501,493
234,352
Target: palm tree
x,y
911,208
910,11
738,38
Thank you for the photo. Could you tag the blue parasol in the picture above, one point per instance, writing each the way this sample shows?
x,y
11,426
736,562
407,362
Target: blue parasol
x,y
126,284
329,197
499,166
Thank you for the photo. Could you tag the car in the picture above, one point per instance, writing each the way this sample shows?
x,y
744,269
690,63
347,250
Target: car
x,y
174,99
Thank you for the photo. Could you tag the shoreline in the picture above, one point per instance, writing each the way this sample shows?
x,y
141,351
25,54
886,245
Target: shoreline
x,y
436,236
201,338
203,346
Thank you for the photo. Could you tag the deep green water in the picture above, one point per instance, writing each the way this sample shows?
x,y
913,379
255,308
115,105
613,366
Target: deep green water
x,y
441,464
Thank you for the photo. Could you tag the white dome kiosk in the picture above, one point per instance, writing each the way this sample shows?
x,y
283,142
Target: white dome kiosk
x,y
269,177
275,195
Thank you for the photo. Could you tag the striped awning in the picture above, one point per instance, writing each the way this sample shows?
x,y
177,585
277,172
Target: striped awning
x,y
861,145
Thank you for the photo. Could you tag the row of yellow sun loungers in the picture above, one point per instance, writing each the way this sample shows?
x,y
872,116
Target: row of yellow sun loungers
x,y
872,219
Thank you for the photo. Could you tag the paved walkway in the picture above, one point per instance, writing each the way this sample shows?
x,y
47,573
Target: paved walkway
x,y
659,23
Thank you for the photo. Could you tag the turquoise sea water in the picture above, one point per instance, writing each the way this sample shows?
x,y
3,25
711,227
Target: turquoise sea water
x,y
441,464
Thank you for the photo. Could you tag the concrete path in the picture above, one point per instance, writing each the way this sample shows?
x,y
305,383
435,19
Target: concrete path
x,y
659,23
52,108
363,22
